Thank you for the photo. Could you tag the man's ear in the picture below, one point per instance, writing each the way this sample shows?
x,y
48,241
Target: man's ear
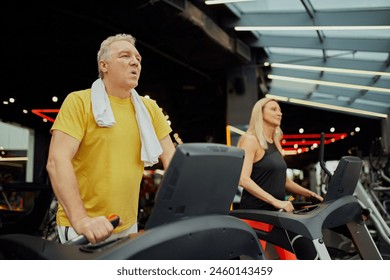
x,y
103,66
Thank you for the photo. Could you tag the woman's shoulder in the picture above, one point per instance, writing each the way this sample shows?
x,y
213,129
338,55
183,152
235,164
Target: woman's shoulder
x,y
248,137
253,150
248,140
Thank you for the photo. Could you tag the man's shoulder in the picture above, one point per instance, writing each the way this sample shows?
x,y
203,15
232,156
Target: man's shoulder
x,y
80,96
148,101
84,93
78,99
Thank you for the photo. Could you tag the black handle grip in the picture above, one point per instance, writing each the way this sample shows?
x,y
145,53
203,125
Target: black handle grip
x,y
81,240
322,156
114,219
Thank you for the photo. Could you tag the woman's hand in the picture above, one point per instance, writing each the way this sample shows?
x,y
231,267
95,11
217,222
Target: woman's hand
x,y
283,205
315,196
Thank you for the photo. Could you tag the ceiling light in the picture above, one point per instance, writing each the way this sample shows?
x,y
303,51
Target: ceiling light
x,y
310,28
277,97
215,2
326,83
338,108
14,159
328,69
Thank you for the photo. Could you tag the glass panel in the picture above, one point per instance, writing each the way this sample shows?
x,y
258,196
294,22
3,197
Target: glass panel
x,y
360,55
356,34
269,5
348,4
373,103
310,34
295,51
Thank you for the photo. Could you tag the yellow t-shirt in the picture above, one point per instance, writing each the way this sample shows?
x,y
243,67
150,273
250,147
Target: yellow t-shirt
x,y
108,163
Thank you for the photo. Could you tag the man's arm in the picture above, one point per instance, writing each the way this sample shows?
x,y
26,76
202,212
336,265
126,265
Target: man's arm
x,y
62,149
168,150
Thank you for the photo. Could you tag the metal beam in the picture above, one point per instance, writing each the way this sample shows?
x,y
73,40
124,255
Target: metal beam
x,y
213,30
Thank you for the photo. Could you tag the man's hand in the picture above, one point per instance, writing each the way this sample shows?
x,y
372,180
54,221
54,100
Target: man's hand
x,y
95,229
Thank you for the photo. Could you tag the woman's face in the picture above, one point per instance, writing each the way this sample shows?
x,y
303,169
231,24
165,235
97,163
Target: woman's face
x,y
272,114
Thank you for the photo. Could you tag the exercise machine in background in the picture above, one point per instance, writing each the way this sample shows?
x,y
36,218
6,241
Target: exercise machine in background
x,y
373,192
340,212
24,207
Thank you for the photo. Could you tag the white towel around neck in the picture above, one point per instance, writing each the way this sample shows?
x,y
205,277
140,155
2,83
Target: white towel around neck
x,y
104,117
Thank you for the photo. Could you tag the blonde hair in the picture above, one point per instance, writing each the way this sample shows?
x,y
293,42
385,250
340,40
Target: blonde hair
x,y
105,52
256,124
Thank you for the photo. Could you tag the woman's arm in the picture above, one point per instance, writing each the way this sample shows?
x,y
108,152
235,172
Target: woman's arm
x,y
293,187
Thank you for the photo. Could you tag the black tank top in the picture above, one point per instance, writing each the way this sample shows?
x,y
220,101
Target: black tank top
x,y
270,174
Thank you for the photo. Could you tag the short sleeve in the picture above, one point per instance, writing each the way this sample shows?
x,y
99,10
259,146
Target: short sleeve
x,y
159,121
72,117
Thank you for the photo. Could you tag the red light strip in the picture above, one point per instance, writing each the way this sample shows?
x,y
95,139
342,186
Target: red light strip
x,y
43,116
327,135
303,144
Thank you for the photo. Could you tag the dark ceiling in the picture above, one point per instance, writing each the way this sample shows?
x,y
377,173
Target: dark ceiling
x,y
50,50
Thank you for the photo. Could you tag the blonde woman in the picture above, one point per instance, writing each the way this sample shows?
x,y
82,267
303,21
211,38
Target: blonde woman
x,y
263,176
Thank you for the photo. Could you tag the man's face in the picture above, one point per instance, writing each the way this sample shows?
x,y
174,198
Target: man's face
x,y
124,65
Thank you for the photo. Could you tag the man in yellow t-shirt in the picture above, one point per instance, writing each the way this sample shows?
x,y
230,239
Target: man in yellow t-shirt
x,y
96,171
